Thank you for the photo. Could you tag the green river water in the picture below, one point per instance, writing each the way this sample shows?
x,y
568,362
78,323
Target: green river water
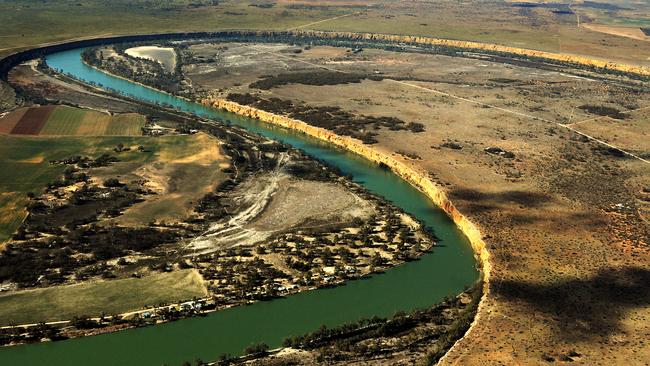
x,y
445,272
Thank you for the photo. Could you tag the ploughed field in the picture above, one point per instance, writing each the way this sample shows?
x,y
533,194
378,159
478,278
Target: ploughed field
x,y
68,121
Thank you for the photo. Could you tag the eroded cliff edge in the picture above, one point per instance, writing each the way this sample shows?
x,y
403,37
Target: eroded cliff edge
x,y
414,177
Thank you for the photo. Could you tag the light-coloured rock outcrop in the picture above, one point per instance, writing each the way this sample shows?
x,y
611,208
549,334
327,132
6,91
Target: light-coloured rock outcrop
x,y
602,65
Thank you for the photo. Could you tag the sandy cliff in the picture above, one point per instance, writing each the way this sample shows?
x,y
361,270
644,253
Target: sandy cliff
x,y
417,179
468,45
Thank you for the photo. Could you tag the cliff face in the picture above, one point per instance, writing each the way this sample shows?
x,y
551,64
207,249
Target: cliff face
x,y
409,174
475,46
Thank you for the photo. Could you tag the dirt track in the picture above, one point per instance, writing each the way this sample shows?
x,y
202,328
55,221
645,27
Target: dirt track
x,y
273,203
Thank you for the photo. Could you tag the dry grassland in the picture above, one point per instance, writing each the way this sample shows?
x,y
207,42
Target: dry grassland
x,y
565,218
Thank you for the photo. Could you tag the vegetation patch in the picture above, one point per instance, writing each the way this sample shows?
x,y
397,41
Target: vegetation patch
x,y
603,111
145,71
70,121
12,213
332,118
99,297
318,78
64,121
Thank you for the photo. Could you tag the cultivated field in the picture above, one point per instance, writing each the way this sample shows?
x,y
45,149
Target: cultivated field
x,y
32,121
67,19
69,121
99,297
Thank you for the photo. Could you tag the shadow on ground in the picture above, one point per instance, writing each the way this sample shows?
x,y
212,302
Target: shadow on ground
x,y
584,309
524,198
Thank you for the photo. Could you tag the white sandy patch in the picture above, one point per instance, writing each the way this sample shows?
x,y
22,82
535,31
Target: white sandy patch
x,y
165,55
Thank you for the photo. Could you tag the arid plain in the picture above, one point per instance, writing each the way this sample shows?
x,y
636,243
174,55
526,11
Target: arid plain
x,y
564,214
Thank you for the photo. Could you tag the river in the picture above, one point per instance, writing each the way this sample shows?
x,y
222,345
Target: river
x,y
447,271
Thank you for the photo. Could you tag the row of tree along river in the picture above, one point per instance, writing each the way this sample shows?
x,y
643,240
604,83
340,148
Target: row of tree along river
x,y
445,272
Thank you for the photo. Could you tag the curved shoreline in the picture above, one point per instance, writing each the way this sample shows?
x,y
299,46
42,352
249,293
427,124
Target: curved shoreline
x,y
8,62
470,263
413,177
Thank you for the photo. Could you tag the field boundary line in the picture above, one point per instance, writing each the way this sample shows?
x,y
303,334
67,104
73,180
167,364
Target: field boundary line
x,y
322,21
599,117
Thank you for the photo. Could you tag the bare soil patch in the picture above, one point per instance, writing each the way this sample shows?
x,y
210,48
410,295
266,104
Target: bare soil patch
x,y
628,32
10,120
32,121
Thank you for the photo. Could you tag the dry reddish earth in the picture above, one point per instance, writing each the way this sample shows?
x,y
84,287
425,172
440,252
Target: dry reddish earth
x,y
10,120
32,121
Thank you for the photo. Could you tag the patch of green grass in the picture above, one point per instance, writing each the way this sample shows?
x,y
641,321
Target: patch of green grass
x,y
64,121
69,121
93,298
12,213
128,124
26,167
66,19
190,166
26,161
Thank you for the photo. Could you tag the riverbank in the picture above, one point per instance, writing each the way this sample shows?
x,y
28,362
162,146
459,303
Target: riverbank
x,y
12,60
449,271
340,211
417,179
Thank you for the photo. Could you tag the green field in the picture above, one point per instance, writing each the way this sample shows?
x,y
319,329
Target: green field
x,y
64,121
25,162
66,19
190,166
69,121
93,298
129,124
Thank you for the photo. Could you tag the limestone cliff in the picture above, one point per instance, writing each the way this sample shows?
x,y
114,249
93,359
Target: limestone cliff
x,y
467,45
417,179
